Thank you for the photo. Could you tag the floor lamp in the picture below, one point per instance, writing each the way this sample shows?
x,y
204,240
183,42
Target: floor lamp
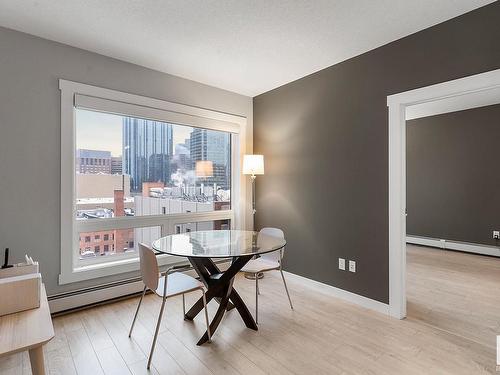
x,y
253,165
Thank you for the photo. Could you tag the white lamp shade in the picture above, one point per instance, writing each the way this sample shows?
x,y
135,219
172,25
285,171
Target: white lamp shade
x,y
253,164
204,168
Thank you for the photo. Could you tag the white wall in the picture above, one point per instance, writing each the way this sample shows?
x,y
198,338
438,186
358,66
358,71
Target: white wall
x,y
30,135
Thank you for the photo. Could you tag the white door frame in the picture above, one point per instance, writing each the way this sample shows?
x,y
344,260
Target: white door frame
x,y
459,94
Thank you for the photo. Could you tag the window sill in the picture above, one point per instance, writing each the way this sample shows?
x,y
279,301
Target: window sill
x,y
89,272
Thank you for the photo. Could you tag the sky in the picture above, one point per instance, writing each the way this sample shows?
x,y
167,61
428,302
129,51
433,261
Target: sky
x,y
103,131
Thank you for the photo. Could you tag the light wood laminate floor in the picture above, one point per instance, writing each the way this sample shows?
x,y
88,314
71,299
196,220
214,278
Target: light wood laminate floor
x,y
324,335
456,292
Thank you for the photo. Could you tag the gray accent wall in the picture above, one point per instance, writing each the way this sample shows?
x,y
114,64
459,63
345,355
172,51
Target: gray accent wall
x,y
453,175
30,135
325,141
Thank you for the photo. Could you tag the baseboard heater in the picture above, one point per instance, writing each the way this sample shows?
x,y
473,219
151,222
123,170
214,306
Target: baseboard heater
x,y
105,293
454,245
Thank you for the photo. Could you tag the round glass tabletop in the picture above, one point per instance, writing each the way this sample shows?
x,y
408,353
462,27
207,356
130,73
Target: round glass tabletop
x,y
218,244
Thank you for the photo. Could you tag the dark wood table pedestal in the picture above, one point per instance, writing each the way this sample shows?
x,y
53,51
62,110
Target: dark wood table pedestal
x,y
220,286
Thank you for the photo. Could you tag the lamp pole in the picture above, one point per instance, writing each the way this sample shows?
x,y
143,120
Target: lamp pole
x,y
248,275
253,177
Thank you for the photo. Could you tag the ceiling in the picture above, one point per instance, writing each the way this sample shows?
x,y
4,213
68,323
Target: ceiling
x,y
248,47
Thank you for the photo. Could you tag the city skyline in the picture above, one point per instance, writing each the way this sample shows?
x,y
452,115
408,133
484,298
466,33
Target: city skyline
x,y
150,151
119,160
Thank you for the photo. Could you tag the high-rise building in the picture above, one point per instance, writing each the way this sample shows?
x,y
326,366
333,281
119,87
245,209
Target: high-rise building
x,y
93,161
181,160
214,146
147,149
116,165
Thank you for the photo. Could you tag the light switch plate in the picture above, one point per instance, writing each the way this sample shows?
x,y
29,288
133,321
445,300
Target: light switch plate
x,y
352,266
341,264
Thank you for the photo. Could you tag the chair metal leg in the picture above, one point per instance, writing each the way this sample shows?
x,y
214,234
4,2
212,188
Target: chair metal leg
x,y
206,316
137,311
258,289
156,333
286,289
256,299
184,305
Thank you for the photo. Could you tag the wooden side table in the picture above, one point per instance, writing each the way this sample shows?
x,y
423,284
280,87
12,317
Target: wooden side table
x,y
28,330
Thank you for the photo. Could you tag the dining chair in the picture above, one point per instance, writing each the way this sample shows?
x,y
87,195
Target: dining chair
x,y
171,283
266,262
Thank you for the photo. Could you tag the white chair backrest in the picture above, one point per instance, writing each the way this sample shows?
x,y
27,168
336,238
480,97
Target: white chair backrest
x,y
274,256
149,267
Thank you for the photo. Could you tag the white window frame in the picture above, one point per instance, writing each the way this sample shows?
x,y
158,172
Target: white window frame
x,y
73,95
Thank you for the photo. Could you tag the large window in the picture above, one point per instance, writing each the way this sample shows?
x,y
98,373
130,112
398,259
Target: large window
x,y
127,166
140,169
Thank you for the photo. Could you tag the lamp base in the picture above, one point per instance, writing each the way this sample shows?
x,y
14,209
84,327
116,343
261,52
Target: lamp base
x,y
251,276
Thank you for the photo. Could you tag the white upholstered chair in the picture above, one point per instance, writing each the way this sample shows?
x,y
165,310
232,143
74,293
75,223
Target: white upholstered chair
x,y
266,262
168,285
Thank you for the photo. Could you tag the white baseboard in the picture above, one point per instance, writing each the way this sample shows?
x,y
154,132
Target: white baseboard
x,y
84,298
91,296
354,298
454,245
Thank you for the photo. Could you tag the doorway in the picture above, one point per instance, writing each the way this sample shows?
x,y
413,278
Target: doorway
x,y
464,93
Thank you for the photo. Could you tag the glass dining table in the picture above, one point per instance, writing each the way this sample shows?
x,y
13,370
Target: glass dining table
x,y
201,248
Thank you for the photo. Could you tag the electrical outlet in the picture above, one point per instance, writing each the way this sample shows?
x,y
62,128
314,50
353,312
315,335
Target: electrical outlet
x,y
352,266
496,235
341,264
